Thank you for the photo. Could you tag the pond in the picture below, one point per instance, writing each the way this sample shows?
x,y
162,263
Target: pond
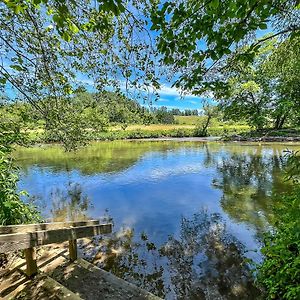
x,y
186,214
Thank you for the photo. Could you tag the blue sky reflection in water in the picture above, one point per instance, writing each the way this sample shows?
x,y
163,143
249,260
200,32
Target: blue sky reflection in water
x,y
157,187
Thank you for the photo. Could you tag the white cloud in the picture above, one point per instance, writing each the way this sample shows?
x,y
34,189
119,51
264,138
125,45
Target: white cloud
x,y
163,100
173,91
193,102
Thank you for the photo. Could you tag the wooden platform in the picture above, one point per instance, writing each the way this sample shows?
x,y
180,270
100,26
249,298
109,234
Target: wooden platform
x,y
61,279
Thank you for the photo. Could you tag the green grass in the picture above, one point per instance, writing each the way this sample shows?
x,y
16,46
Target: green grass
x,y
138,131
285,132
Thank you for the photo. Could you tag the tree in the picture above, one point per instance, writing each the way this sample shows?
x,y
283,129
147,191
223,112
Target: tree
x,y
267,90
282,72
12,209
279,272
198,39
164,116
209,111
46,45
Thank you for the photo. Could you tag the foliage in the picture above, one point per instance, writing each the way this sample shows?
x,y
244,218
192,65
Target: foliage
x,y
52,48
282,72
198,39
279,274
209,112
163,116
186,112
267,91
293,166
12,209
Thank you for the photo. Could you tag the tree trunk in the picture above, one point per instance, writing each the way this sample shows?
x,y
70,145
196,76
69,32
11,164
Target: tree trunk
x,y
280,120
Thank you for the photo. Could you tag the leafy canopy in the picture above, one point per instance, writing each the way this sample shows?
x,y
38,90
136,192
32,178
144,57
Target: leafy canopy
x,y
47,45
266,91
198,38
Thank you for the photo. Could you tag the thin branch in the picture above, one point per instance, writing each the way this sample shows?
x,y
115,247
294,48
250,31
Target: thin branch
x,y
274,35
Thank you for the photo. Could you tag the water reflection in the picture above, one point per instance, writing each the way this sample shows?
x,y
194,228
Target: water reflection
x,y
148,187
99,157
203,262
249,181
69,204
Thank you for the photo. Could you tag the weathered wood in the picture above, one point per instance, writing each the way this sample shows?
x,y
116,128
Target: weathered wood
x,y
114,281
18,241
73,250
44,226
58,289
31,266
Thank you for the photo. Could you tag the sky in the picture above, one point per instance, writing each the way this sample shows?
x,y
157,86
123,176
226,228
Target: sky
x,y
169,97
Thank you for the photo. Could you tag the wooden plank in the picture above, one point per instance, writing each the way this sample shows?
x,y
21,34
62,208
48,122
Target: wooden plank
x,y
44,226
31,266
18,241
73,250
113,280
58,289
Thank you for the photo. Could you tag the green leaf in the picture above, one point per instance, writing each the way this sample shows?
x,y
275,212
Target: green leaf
x,y
74,28
263,26
214,4
3,80
17,67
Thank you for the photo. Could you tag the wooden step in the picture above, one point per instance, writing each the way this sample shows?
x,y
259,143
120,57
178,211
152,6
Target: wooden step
x,y
92,283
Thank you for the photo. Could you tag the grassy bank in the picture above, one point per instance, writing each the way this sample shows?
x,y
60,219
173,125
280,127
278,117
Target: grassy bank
x,y
136,131
151,131
286,134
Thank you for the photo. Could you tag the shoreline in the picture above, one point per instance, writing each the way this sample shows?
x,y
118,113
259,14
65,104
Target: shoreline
x,y
232,139
269,139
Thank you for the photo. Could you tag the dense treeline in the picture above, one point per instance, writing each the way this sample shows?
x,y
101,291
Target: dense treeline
x,y
185,112
95,111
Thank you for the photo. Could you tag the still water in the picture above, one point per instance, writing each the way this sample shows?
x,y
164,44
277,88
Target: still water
x,y
186,215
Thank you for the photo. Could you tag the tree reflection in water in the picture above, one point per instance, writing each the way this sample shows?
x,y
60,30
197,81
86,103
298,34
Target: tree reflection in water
x,y
69,204
249,182
203,262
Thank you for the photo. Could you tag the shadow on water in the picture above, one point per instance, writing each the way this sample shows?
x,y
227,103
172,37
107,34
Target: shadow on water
x,y
203,262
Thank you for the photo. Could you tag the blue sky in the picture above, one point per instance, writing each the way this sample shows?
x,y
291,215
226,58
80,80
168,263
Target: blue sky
x,y
169,97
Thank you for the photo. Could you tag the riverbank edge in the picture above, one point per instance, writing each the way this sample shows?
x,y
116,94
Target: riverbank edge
x,y
235,138
269,139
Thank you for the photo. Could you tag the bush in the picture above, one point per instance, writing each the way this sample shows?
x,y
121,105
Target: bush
x,y
279,274
12,209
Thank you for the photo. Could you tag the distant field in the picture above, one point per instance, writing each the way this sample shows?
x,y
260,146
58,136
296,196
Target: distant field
x,y
154,127
185,128
187,120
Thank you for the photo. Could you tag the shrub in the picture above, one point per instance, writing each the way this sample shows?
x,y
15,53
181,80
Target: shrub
x,y
12,209
279,274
